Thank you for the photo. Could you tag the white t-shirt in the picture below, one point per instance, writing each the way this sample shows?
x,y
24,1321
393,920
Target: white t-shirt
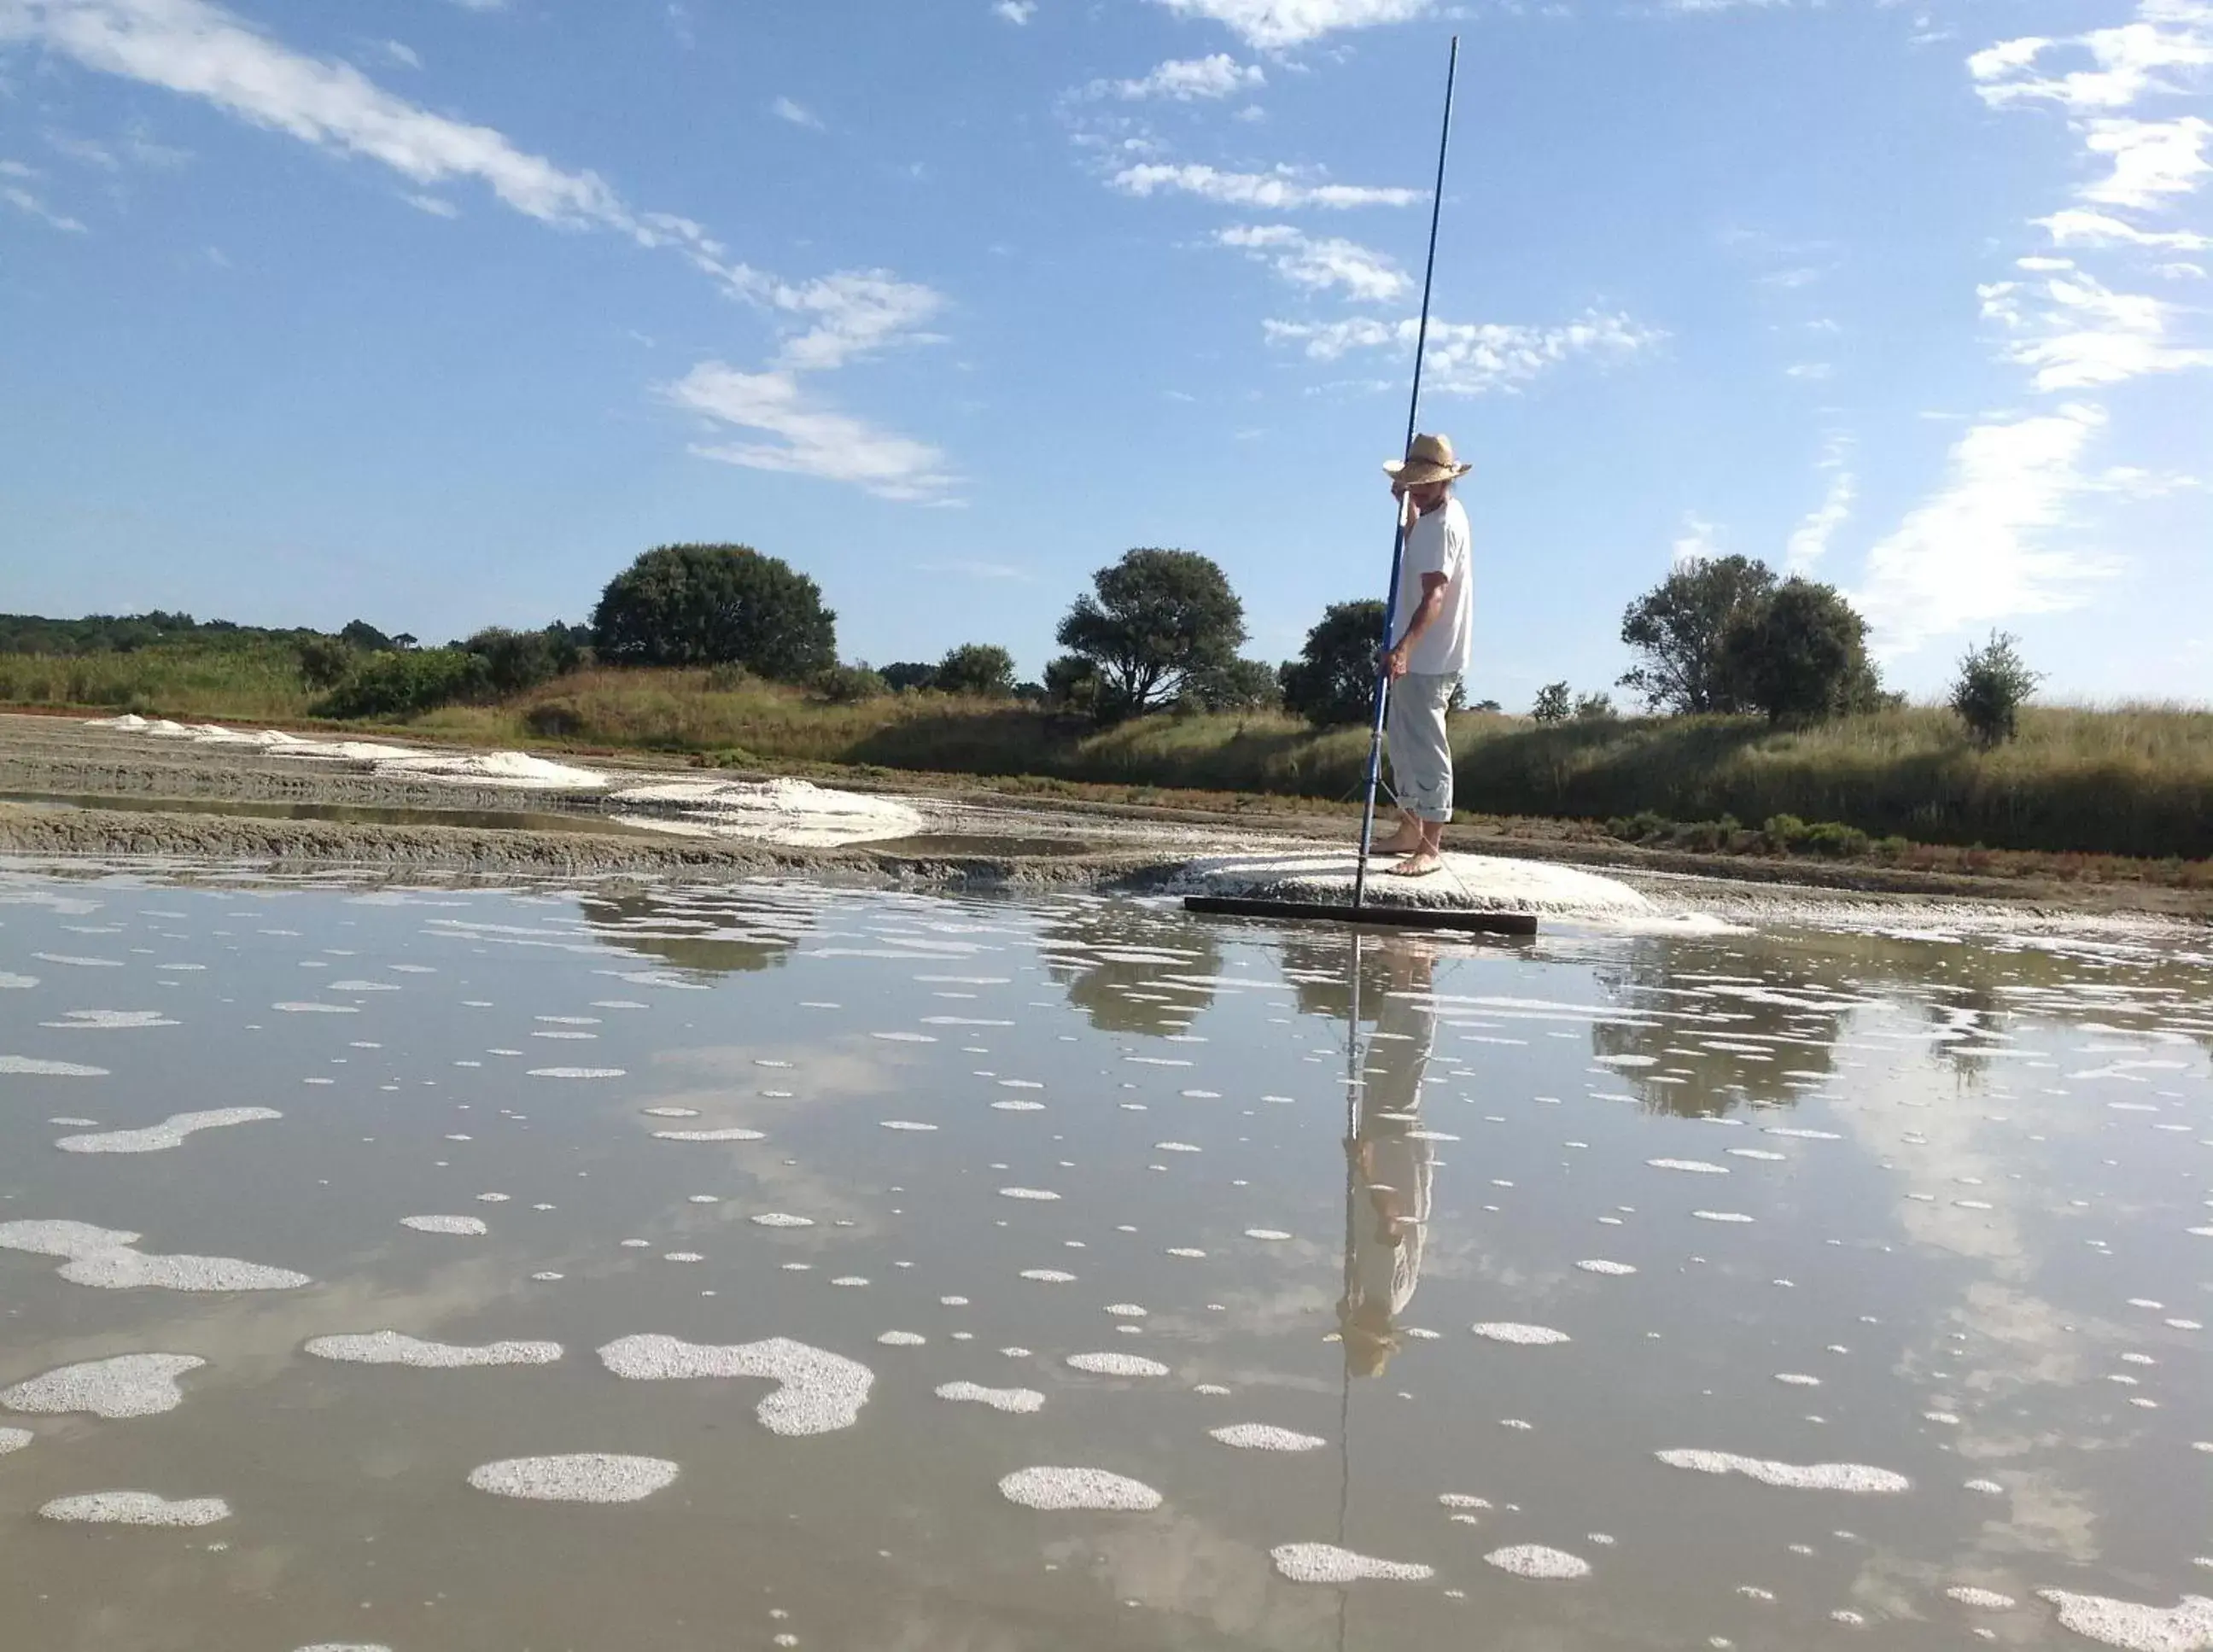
x,y
1437,543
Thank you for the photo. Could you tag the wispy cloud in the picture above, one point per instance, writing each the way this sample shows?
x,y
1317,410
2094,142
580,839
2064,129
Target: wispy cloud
x,y
853,314
797,113
1473,358
1184,80
806,438
1016,12
1276,25
400,52
16,178
1280,191
2152,159
1813,370
1320,263
2126,61
1697,540
1974,553
2075,227
1809,540
2076,333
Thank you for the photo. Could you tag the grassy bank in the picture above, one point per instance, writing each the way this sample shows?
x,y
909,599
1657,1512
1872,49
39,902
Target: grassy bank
x,y
2135,781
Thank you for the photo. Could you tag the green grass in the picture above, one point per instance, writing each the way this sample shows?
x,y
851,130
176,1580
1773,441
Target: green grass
x,y
2131,780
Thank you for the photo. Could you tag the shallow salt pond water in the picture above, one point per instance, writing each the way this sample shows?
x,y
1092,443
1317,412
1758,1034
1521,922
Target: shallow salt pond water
x,y
1795,1290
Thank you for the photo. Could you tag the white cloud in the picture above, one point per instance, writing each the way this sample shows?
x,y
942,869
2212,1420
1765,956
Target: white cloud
x,y
1972,554
1184,80
2127,61
1016,12
2075,332
807,439
1277,192
2151,159
435,205
1815,370
1274,25
1320,263
1473,358
2181,270
797,113
2075,227
25,201
1699,541
402,53
1809,540
854,313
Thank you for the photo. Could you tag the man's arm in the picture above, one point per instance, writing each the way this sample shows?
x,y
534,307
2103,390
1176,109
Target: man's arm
x,y
1431,605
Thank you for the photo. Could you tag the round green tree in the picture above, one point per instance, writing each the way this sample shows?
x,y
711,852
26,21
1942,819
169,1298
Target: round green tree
x,y
1159,620
1333,679
699,605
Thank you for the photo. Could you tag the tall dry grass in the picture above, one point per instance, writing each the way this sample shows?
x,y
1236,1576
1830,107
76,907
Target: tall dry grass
x,y
246,680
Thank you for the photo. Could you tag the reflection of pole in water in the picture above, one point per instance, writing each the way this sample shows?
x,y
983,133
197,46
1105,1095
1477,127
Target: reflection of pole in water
x,y
1352,1066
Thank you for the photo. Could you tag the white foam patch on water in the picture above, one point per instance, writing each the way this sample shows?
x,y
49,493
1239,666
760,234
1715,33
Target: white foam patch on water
x,y
1269,1234
1720,1216
1695,1167
169,1133
9,982
1600,1264
1797,1379
1018,1107
903,1124
1801,1135
15,1439
1057,1489
1174,1147
1987,1488
31,1066
1325,1562
1117,1365
397,1348
103,1258
575,1072
780,1219
1535,1560
733,1134
1528,1336
128,1385
1025,1193
1266,1436
1048,1276
900,1338
1020,1401
110,1019
1810,1477
2185,1628
467,1226
670,1113
135,1508
577,1477
1125,1311
1758,1153
294,1007
1968,1596
817,1391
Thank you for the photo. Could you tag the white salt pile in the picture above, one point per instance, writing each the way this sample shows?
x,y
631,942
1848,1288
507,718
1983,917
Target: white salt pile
x,y
1598,1264
1266,1436
1535,1560
2134,1628
1325,1562
1811,1477
1048,1276
900,1338
396,1348
784,811
1265,1233
1025,1193
466,1227
169,1133
1020,1401
137,1508
1528,1336
1119,1365
579,1477
1055,1489
128,1385
817,1391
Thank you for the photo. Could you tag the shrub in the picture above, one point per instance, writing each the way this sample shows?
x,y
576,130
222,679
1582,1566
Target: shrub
x,y
850,684
905,674
682,605
1594,708
404,685
973,668
1799,653
1783,832
1239,686
1993,682
1837,841
554,720
1158,619
325,661
1553,704
1333,679
517,660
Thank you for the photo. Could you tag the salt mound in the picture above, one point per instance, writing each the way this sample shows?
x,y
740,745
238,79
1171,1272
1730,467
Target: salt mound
x,y
1058,1488
1471,881
1535,1560
137,1508
1598,1264
783,810
1325,1562
1117,1365
817,1391
1266,1436
581,1477
1811,1477
466,1227
733,1134
517,770
2185,1628
395,1347
1528,1336
129,1385
169,1133
1018,1400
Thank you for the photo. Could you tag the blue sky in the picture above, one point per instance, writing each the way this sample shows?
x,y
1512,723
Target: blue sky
x,y
436,312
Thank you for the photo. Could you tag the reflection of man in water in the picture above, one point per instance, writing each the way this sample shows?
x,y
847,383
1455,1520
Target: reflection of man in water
x,y
1388,1188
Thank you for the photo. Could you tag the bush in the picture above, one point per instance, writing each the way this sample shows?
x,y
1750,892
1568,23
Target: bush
x,y
1835,840
325,661
1594,708
1553,704
1072,684
1993,682
405,685
905,674
1783,832
1159,620
517,660
682,605
1333,680
554,720
1799,653
850,684
974,668
1681,626
1240,685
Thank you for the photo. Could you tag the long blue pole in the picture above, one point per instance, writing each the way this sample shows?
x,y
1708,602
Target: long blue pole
x,y
1398,530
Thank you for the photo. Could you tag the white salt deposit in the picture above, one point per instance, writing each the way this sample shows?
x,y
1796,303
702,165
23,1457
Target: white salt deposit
x,y
1325,1562
1018,1400
900,1338
31,1066
1987,1488
904,1123
1535,1560
1695,1167
1174,1147
1758,1153
1600,1264
670,1112
1797,1379
579,1477
469,1226
733,1134
2134,1628
1802,1135
784,811
780,1219
15,1439
1266,1436
1720,1216
128,1385
1126,1310
1472,880
1018,1107
1968,1596
169,1133
1811,1477
137,1508
817,1391
103,1257
1266,1233
1058,1488
1119,1365
1528,1336
293,1007
1048,1276
396,1348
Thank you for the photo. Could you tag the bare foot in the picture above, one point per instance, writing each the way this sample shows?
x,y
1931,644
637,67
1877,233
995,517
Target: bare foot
x,y
1419,865
1400,842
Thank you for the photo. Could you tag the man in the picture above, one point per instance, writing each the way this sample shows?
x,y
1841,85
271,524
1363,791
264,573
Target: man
x,y
1431,624
1393,1161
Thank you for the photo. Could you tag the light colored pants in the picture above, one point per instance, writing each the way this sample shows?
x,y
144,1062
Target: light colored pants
x,y
1421,755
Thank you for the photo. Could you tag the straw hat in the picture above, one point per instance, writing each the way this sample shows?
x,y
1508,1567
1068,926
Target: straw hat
x,y
1429,459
